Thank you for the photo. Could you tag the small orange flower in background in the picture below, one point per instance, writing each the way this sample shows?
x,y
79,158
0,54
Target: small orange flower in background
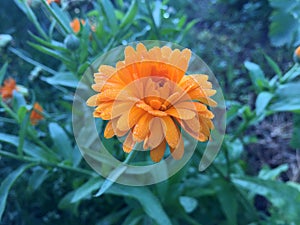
x,y
76,24
147,98
8,87
50,1
36,114
297,55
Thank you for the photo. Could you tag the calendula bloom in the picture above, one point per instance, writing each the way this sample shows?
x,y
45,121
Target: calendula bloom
x,y
76,24
50,1
148,97
7,89
36,114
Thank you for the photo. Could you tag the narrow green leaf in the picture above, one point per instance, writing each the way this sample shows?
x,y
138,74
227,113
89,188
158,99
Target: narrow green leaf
x,y
59,16
62,79
133,218
262,101
23,56
50,44
7,183
156,13
130,15
23,128
38,176
145,197
273,65
64,58
3,72
113,176
256,74
29,148
109,13
86,189
61,141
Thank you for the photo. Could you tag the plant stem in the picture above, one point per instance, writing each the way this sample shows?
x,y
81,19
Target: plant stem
x,y
66,30
46,164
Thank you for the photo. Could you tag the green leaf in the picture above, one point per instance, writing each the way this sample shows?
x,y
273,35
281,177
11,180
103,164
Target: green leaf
x,y
287,98
256,74
262,101
62,79
273,65
156,13
29,148
148,201
228,200
109,12
295,142
65,203
130,15
5,39
284,6
18,101
38,176
61,141
188,203
133,218
284,198
7,183
3,72
292,74
271,174
26,58
50,44
55,54
283,28
113,176
86,189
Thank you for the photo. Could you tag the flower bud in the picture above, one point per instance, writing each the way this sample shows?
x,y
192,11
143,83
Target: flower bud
x,y
72,42
297,55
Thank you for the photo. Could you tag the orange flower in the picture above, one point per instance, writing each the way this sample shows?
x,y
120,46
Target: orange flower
x,y
36,114
76,24
50,1
7,89
148,97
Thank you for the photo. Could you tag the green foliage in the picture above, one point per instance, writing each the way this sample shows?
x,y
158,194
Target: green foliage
x,y
284,28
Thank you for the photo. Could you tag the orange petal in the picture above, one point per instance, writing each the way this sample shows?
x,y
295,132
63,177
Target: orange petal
x,y
107,70
157,153
128,120
157,113
129,143
92,101
206,114
184,114
156,133
195,106
141,129
166,51
177,152
170,131
109,131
